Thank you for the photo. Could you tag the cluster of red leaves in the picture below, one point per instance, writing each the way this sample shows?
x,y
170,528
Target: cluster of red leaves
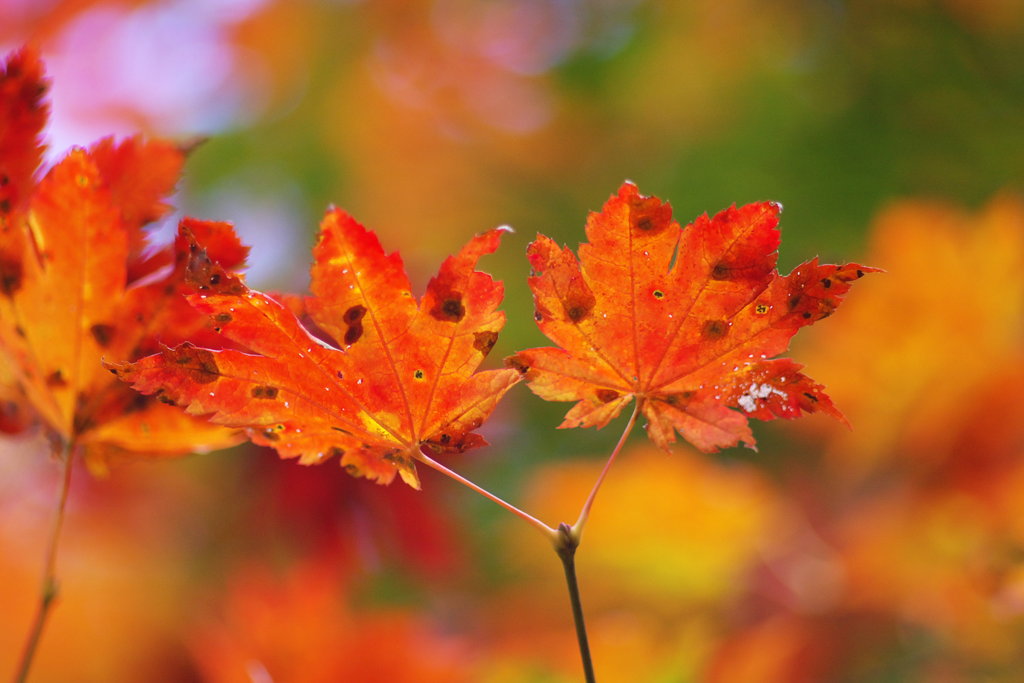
x,y
692,340
687,321
79,281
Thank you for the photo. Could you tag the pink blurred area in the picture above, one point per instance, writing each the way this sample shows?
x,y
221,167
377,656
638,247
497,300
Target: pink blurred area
x,y
167,68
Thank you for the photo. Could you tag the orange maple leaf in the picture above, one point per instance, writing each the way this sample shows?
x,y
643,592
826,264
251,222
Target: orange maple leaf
x,y
396,376
78,280
686,321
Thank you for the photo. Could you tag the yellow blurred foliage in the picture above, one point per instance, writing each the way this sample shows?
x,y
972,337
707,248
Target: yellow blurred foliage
x,y
918,347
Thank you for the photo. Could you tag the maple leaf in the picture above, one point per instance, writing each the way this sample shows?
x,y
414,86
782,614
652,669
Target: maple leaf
x,y
78,280
686,321
396,376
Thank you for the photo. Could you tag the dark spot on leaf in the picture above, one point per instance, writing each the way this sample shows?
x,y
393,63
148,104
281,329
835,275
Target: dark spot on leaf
x,y
720,271
538,316
811,396
353,333
200,365
205,275
715,329
11,274
454,309
353,317
340,374
4,179
354,314
165,399
860,273
686,395
761,309
223,317
418,374
264,391
806,315
484,341
578,303
102,333
826,282
5,205
351,469
56,379
658,294
445,439
607,395
343,431
450,308
270,435
514,362
576,313
648,215
794,301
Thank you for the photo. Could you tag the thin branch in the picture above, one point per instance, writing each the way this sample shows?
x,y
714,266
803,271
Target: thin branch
x,y
50,589
550,533
577,528
565,547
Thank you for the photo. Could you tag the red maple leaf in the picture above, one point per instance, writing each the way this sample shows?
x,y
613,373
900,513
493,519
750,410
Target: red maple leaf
x,y
686,321
395,376
79,282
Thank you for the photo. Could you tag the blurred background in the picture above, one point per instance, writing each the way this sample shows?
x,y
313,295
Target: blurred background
x,y
891,130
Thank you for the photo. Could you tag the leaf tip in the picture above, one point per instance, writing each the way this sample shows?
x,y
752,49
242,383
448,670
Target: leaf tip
x,y
410,477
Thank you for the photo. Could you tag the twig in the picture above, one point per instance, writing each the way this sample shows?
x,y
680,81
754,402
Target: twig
x,y
566,550
577,528
533,521
50,589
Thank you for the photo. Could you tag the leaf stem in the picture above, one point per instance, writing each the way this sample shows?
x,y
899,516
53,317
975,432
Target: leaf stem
x,y
552,534
577,528
565,547
50,588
